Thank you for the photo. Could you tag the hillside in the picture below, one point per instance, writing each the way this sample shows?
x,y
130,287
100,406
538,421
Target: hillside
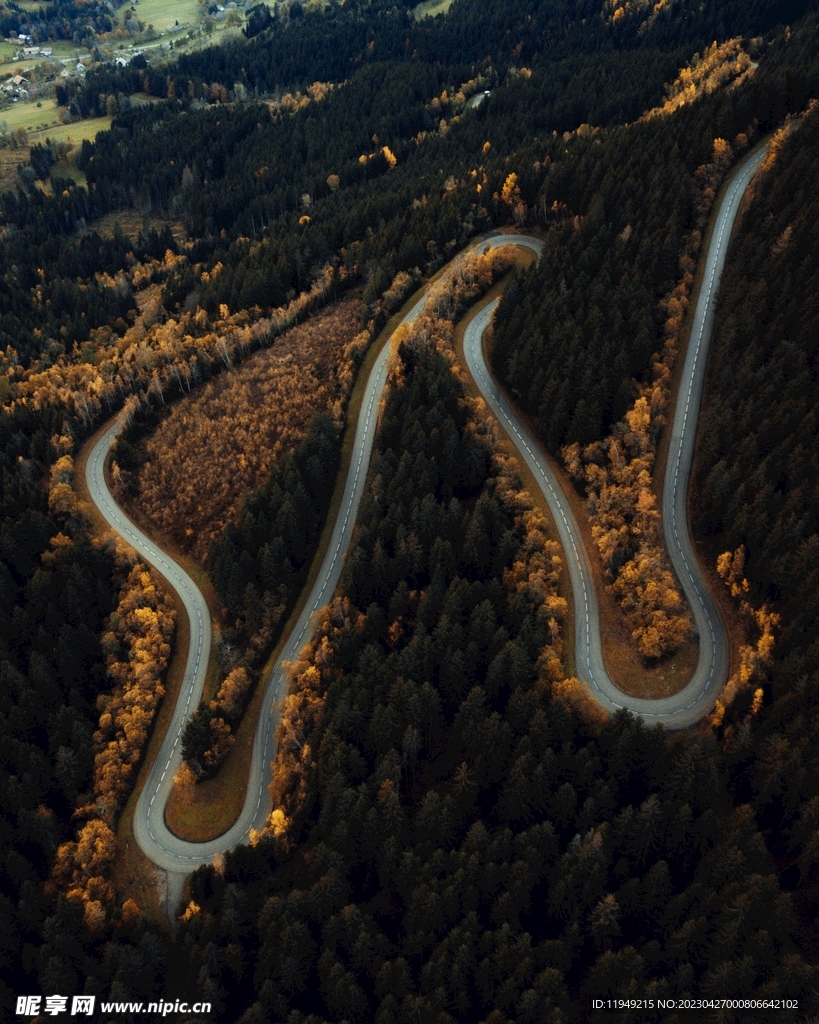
x,y
460,836
459,831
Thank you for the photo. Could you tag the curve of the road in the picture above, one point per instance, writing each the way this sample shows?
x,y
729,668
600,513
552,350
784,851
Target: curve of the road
x,y
697,698
177,856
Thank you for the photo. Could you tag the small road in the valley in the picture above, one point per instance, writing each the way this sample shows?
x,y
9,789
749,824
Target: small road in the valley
x,y
178,857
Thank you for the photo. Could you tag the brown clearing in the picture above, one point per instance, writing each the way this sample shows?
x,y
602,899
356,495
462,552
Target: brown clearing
x,y
132,223
223,441
10,160
215,804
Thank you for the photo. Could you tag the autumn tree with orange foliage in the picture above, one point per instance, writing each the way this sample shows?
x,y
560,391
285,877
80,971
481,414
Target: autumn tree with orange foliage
x,y
82,869
756,656
721,64
137,649
162,353
626,528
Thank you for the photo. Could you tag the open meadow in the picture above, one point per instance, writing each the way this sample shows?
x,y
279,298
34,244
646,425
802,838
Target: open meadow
x,y
429,8
74,132
41,118
47,127
63,48
31,114
162,14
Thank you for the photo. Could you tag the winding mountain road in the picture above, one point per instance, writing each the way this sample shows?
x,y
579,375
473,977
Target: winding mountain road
x,y
178,857
160,845
697,698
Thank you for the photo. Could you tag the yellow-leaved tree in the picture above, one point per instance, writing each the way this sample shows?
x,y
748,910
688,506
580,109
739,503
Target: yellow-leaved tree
x,y
754,656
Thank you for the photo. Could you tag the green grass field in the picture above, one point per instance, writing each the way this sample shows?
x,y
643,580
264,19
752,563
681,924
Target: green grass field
x,y
43,121
11,159
75,132
60,48
200,41
429,8
29,115
64,48
63,169
162,14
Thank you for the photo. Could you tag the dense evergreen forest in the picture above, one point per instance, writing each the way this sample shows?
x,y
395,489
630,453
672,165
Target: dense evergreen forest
x,y
58,589
756,479
471,841
577,302
329,44
247,175
462,842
